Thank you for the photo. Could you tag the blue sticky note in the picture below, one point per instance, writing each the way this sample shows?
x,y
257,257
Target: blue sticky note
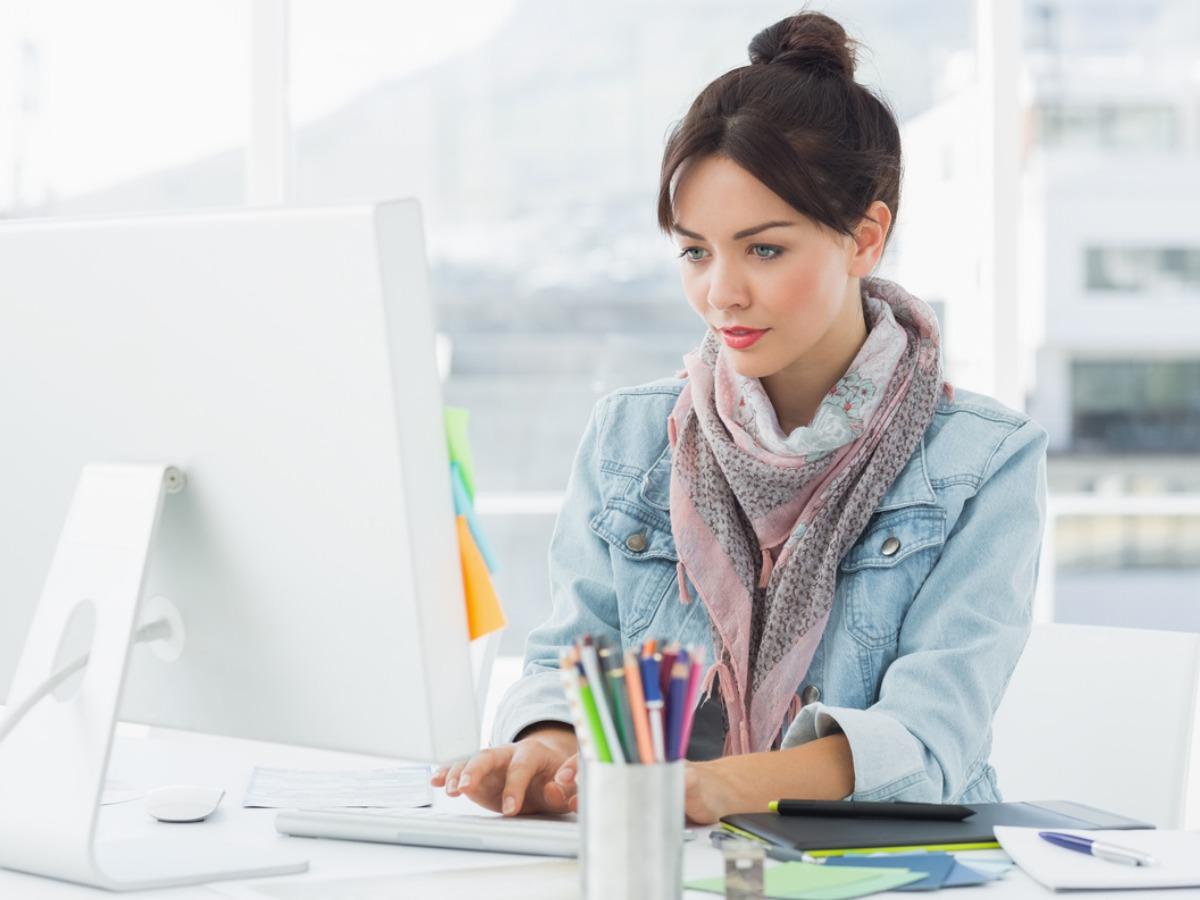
x,y
935,867
964,876
465,508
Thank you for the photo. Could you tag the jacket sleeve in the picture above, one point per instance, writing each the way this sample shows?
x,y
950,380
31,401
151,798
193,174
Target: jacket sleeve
x,y
582,593
958,645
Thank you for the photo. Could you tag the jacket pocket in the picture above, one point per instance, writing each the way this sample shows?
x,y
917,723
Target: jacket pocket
x,y
643,560
886,567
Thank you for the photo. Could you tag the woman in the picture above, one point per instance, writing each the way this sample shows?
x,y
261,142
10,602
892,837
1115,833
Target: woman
x,y
854,543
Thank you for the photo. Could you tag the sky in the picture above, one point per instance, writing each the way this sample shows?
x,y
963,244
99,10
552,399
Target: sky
x,y
120,87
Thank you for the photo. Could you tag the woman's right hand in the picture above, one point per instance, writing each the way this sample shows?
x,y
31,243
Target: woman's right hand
x,y
536,774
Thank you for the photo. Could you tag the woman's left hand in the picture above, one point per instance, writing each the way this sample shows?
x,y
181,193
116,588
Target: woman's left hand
x,y
708,792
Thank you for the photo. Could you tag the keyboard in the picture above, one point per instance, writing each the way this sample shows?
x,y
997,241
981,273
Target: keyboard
x,y
531,835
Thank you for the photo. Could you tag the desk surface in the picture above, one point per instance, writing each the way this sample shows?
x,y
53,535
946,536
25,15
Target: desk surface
x,y
147,758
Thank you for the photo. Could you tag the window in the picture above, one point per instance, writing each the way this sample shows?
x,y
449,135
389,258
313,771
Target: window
x,y
1134,406
122,106
1107,126
1165,271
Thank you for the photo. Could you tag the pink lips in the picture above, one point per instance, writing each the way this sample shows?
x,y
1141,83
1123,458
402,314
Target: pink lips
x,y
741,338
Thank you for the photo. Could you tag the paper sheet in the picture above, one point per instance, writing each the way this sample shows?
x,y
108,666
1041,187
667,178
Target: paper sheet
x,y
812,881
386,788
1177,855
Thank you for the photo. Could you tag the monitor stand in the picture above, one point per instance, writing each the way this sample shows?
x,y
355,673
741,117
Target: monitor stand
x,y
52,766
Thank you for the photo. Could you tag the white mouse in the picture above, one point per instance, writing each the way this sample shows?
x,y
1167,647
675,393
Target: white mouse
x,y
183,802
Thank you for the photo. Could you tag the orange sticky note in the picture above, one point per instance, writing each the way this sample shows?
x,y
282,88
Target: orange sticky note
x,y
484,614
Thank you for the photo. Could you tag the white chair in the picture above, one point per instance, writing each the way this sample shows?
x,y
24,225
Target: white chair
x,y
1106,717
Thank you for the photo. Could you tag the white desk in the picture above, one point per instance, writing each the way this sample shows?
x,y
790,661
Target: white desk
x,y
147,759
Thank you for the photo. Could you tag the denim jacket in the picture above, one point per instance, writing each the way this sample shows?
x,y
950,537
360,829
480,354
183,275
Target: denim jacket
x,y
921,639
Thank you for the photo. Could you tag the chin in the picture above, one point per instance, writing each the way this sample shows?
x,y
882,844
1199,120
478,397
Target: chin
x,y
749,367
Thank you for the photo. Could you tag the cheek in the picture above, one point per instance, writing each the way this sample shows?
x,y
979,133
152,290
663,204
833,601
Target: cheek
x,y
803,295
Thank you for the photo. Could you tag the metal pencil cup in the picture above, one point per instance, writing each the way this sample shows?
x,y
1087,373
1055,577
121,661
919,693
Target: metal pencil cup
x,y
631,821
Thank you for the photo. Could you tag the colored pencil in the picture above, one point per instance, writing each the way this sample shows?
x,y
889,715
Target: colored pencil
x,y
654,706
695,676
590,711
676,703
664,670
568,661
591,666
614,673
637,707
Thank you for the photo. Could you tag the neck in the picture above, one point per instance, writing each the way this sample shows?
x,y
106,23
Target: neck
x,y
797,391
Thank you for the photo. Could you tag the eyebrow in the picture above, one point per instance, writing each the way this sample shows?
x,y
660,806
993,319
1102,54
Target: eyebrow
x,y
744,233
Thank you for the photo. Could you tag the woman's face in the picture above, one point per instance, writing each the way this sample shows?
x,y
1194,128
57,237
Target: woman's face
x,y
772,293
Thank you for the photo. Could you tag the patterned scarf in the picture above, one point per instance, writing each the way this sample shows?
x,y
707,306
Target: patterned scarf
x,y
761,519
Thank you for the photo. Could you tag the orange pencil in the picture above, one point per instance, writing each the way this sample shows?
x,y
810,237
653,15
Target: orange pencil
x,y
637,707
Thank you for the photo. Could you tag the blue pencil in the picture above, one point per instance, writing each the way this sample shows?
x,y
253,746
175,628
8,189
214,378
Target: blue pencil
x,y
654,705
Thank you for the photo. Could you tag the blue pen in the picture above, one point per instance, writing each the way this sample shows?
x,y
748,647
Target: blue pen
x,y
654,705
1100,849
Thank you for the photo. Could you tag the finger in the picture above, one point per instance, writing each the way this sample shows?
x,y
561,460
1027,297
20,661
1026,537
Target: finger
x,y
554,798
567,771
483,766
438,778
521,771
452,778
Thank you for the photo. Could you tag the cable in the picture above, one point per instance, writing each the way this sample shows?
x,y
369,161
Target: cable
x,y
158,629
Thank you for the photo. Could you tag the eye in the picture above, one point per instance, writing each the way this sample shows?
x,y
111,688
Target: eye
x,y
687,250
772,251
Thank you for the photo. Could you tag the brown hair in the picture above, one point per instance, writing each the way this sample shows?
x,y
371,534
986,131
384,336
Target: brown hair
x,y
796,120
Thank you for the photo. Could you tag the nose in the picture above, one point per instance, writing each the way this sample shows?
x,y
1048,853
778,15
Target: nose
x,y
726,288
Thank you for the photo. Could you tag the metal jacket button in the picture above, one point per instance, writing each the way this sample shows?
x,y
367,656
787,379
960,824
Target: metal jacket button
x,y
636,542
890,546
810,694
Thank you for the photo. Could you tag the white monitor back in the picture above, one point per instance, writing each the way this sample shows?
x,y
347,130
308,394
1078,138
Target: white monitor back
x,y
284,359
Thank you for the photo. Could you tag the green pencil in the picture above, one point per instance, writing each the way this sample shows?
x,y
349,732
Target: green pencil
x,y
592,714
624,715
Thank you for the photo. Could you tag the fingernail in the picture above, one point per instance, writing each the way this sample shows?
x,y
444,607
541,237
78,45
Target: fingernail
x,y
565,776
440,773
452,785
464,781
509,805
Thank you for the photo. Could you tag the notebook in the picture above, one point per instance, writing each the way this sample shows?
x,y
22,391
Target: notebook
x,y
828,836
1176,855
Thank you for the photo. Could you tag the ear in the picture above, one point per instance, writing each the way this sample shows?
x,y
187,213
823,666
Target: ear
x,y
869,236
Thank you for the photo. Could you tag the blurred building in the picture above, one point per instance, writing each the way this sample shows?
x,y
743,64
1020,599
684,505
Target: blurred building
x,y
1109,303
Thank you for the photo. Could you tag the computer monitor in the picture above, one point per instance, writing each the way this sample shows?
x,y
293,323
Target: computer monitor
x,y
283,361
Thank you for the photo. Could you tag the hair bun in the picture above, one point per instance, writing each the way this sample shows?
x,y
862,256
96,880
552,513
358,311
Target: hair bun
x,y
810,41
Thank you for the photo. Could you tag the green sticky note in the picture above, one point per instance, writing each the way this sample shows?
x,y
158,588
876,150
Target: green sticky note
x,y
460,448
812,881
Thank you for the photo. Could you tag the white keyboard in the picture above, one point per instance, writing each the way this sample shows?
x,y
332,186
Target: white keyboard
x,y
531,835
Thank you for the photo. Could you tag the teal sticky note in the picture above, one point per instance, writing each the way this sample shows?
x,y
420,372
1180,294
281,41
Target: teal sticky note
x,y
934,867
463,507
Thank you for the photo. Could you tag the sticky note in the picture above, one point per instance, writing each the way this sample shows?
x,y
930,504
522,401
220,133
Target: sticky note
x,y
484,613
812,881
464,507
934,867
460,449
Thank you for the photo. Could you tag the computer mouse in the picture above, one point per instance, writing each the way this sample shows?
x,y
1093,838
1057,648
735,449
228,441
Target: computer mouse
x,y
183,802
